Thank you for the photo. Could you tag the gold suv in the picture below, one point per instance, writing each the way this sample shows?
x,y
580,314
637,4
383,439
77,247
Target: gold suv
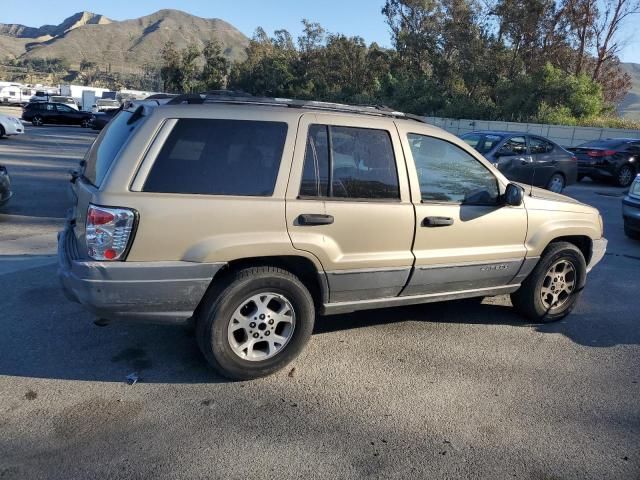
x,y
250,216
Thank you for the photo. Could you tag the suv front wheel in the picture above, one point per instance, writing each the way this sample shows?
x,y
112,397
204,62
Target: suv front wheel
x,y
255,322
552,290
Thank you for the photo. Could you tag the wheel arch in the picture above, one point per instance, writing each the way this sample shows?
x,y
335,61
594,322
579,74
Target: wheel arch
x,y
305,269
583,242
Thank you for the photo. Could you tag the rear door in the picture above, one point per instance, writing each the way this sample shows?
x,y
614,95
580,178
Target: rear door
x,y
545,160
348,204
465,237
68,115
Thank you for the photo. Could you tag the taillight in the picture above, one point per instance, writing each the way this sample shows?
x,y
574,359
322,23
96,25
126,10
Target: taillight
x,y
601,153
108,232
574,158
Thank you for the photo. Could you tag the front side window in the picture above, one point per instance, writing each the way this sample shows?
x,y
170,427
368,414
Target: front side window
x,y
349,163
449,174
63,108
219,157
514,146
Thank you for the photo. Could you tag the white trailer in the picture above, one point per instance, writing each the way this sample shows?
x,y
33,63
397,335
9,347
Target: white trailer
x,y
16,95
76,91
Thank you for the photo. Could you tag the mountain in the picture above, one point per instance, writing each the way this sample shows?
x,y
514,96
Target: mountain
x,y
123,45
630,106
46,32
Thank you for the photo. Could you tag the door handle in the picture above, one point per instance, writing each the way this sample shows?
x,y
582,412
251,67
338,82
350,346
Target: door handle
x,y
311,219
437,222
526,160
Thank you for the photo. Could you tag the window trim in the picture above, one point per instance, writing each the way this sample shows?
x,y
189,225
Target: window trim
x,y
331,198
443,202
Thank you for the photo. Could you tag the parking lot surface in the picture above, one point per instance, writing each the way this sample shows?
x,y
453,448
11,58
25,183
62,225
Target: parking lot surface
x,y
451,390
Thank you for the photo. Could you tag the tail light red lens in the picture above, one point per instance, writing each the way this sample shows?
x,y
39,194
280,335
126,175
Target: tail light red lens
x,y
601,153
108,232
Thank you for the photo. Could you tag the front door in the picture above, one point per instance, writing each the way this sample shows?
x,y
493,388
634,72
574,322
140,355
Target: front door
x,y
544,161
466,239
348,203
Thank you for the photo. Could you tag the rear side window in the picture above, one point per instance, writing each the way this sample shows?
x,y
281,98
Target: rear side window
x,y
105,151
538,146
347,162
219,157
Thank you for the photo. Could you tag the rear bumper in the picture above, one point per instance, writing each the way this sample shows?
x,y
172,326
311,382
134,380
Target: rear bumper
x,y
157,292
603,171
598,250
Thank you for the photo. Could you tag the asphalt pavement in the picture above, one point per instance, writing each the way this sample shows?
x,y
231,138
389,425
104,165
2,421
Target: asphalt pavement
x,y
450,390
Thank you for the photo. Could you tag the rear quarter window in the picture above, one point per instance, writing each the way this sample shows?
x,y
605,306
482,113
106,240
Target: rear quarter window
x,y
106,149
219,157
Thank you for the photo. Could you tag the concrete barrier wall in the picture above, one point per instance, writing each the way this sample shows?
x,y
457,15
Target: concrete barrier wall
x,y
565,136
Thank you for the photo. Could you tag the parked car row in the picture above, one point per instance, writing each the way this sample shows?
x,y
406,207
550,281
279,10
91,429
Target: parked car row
x,y
538,161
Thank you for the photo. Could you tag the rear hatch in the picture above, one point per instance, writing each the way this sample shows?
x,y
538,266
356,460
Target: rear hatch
x,y
95,167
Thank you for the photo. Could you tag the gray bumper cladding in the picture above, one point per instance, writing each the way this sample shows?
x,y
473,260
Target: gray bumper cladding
x,y
599,248
150,291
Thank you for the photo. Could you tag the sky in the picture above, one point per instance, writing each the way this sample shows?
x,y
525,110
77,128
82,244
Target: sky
x,y
350,17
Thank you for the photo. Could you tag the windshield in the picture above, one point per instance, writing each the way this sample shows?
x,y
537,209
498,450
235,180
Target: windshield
x,y
482,142
108,145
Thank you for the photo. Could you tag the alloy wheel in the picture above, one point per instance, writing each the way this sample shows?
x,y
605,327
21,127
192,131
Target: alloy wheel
x,y
625,176
261,326
558,285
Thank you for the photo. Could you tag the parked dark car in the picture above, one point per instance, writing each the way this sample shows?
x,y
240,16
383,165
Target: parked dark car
x,y
99,120
56,113
527,158
5,186
631,210
613,159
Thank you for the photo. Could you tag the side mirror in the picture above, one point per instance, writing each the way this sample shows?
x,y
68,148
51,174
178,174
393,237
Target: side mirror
x,y
513,195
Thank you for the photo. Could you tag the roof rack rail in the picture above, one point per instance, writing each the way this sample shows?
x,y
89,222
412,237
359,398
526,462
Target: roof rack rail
x,y
235,97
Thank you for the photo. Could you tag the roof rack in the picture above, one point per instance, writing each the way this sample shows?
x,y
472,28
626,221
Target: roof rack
x,y
233,97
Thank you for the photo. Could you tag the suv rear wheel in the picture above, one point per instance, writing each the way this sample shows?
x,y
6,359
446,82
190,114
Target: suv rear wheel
x,y
255,322
551,291
37,121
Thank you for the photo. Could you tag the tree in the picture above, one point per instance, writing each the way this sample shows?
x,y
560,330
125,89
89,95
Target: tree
x,y
170,72
216,67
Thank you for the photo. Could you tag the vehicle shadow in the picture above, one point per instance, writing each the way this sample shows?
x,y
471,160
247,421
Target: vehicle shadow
x,y
585,326
46,336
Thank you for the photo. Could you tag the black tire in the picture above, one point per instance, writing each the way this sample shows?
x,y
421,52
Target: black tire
x,y
85,123
37,121
527,300
625,176
634,234
215,314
